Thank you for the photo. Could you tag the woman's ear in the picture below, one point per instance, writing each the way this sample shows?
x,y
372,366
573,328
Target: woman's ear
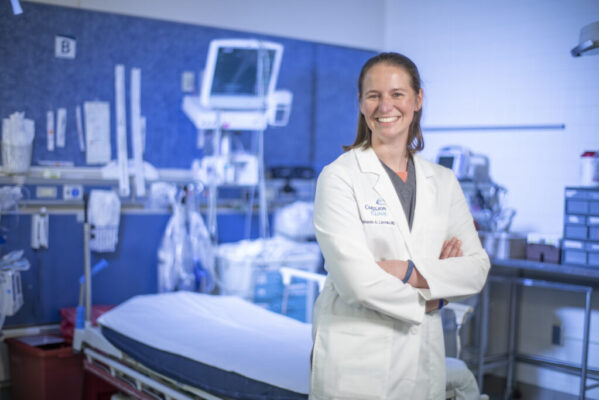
x,y
360,104
419,100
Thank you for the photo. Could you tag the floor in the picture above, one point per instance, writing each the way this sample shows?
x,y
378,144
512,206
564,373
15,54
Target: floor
x,y
493,387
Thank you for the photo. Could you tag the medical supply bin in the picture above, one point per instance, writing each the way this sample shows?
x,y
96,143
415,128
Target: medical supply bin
x,y
581,226
44,368
543,253
250,269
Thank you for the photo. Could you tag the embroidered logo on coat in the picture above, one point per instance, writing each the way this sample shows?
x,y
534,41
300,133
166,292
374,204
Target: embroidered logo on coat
x,y
376,210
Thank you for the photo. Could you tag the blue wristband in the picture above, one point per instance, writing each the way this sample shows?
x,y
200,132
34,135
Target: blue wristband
x,y
441,304
409,273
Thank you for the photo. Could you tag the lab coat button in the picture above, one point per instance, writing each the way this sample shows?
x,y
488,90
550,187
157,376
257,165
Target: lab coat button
x,y
413,330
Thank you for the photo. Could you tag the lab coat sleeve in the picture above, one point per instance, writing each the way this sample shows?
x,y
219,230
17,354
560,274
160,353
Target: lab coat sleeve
x,y
352,267
457,276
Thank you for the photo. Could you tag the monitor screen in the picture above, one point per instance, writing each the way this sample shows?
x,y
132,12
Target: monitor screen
x,y
232,74
236,72
446,161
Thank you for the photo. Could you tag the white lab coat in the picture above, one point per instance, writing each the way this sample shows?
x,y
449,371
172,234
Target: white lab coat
x,y
372,338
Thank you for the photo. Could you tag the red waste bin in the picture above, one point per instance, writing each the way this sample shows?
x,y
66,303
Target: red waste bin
x,y
45,368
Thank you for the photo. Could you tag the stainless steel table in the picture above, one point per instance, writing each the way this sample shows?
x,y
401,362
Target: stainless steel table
x,y
523,273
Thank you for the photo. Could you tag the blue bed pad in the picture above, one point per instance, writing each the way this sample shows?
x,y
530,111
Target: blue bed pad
x,y
210,379
221,344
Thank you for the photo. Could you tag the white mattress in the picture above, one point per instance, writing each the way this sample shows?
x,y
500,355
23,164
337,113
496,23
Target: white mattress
x,y
222,331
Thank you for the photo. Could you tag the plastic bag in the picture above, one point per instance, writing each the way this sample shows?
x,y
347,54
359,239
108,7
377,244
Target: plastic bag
x,y
185,255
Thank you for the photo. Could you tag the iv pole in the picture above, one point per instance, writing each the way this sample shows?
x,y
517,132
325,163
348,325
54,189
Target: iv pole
x,y
262,69
261,176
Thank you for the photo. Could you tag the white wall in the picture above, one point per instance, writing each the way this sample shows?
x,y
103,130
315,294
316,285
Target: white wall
x,y
509,63
351,23
483,63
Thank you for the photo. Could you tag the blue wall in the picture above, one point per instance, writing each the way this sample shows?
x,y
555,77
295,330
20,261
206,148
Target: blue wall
x,y
321,77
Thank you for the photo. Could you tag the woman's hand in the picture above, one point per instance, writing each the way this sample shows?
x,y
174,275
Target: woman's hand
x,y
451,248
399,269
433,305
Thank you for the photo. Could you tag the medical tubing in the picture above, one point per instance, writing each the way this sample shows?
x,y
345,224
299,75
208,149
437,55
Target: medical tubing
x,y
100,265
409,273
80,316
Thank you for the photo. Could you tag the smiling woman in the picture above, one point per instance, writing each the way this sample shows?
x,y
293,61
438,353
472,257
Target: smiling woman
x,y
394,255
389,104
398,74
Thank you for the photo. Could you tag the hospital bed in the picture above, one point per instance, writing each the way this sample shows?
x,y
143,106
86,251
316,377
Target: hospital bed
x,y
185,345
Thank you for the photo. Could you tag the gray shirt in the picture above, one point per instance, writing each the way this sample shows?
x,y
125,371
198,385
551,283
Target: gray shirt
x,y
406,191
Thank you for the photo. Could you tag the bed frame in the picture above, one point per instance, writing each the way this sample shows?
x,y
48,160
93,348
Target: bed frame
x,y
108,363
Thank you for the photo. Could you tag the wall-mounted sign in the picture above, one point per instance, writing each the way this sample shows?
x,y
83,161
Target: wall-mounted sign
x,y
65,47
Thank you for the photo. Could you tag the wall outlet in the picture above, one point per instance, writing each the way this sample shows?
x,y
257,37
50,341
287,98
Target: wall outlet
x,y
72,192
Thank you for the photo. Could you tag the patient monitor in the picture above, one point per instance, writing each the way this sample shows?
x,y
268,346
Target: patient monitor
x,y
240,74
238,87
465,164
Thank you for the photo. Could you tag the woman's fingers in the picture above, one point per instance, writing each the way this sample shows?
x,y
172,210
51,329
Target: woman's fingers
x,y
445,250
455,248
431,305
451,248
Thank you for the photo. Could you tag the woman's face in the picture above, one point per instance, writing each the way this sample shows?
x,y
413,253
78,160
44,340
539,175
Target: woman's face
x,y
388,103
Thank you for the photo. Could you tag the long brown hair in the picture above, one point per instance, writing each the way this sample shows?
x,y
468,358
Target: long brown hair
x,y
363,134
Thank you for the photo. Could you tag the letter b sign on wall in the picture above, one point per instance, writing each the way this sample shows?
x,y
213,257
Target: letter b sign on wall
x,y
64,47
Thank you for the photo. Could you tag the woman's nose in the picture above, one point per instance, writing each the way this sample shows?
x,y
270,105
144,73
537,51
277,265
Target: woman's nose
x,y
386,104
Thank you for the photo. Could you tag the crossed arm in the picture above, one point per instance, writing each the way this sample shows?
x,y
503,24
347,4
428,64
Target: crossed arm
x,y
399,268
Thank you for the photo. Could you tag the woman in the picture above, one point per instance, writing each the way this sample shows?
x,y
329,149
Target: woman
x,y
398,241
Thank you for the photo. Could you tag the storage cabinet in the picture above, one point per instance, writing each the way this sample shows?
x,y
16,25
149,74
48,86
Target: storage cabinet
x,y
581,226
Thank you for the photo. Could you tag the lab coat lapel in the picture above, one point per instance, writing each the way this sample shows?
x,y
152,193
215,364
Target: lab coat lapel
x,y
426,194
369,163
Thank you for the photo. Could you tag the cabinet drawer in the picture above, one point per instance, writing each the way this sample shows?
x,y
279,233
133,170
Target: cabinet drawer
x,y
577,206
576,232
574,257
594,233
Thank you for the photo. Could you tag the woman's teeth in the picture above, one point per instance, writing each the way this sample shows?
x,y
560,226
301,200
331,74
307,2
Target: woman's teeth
x,y
386,119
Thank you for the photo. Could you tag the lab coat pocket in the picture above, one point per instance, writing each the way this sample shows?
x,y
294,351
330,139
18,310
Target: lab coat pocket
x,y
352,358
